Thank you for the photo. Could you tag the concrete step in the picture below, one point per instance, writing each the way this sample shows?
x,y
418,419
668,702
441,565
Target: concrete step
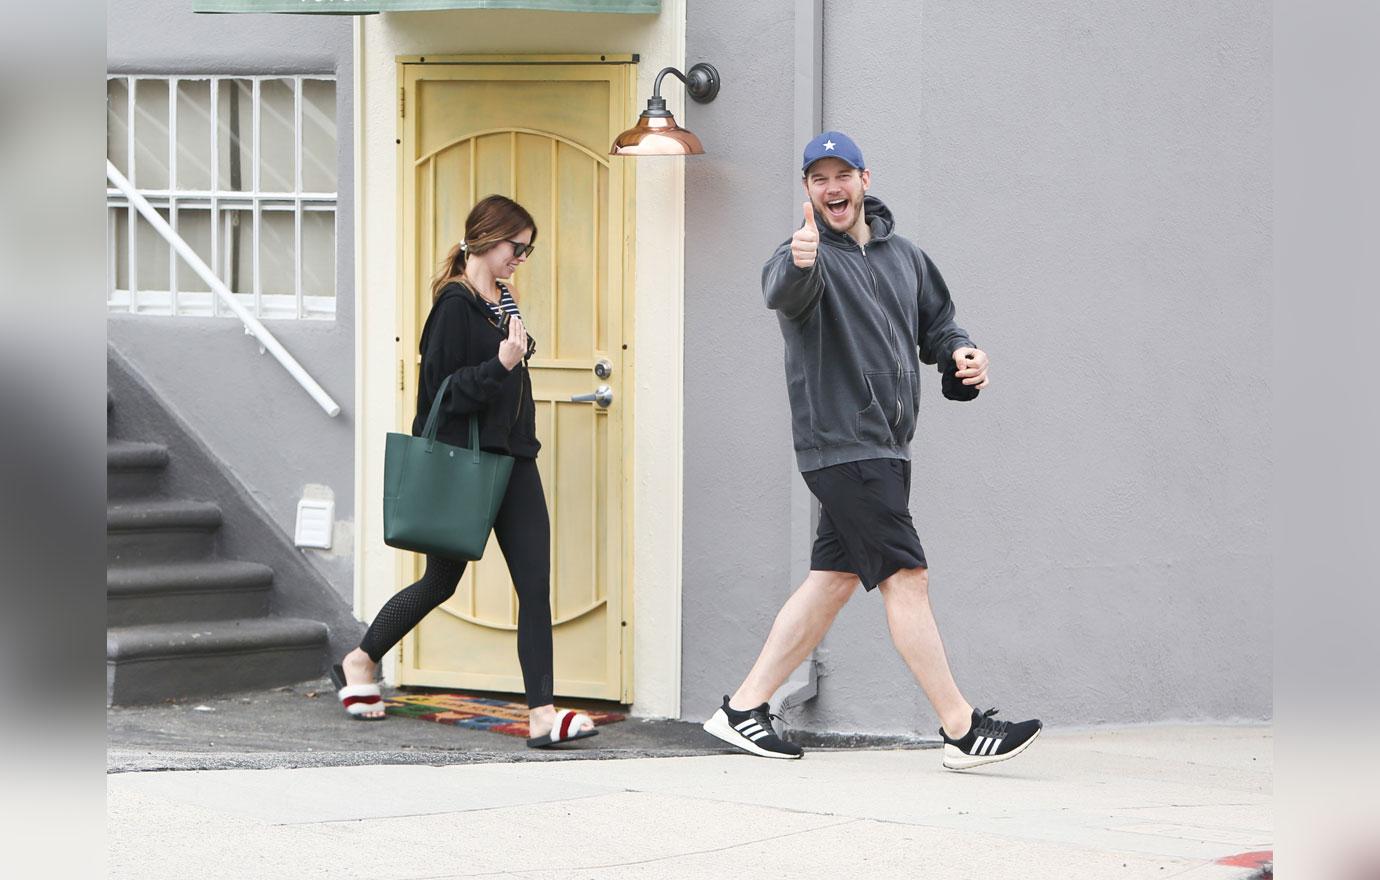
x,y
160,530
214,589
148,664
134,469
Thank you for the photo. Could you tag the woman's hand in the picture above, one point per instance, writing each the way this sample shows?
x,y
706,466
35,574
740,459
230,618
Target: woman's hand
x,y
512,349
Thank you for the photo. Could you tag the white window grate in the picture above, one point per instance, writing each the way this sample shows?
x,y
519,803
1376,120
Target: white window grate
x,y
244,169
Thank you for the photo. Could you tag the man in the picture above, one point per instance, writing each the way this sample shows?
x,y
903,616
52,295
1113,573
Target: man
x,y
860,308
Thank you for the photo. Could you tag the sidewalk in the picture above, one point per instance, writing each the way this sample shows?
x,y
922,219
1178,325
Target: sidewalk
x,y
1153,802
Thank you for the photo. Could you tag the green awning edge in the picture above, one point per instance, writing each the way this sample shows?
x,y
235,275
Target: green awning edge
x,y
369,7
300,7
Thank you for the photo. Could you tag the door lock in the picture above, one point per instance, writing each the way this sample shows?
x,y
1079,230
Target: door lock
x,y
603,395
602,368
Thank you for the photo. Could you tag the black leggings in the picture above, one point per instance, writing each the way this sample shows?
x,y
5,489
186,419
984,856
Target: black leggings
x,y
523,530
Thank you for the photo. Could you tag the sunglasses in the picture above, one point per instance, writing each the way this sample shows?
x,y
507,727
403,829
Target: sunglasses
x,y
520,249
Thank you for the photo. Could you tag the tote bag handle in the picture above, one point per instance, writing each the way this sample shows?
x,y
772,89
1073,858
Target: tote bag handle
x,y
433,420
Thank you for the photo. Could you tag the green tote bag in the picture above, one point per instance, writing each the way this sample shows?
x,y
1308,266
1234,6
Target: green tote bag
x,y
441,499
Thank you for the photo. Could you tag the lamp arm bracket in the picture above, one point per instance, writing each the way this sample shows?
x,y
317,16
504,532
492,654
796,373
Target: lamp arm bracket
x,y
701,82
656,89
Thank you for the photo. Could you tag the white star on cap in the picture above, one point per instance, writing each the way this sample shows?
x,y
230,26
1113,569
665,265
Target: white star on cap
x,y
829,145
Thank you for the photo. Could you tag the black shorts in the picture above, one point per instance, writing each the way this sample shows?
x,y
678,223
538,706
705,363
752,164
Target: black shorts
x,y
864,521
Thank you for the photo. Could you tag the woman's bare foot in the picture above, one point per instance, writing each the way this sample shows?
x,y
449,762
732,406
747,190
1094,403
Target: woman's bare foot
x,y
541,719
360,669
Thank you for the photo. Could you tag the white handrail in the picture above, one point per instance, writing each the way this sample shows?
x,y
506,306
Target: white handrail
x,y
251,323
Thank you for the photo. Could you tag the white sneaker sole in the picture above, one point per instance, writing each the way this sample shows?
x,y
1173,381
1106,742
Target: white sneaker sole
x,y
957,760
718,726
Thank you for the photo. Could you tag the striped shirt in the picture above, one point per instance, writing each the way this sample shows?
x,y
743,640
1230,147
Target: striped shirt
x,y
506,304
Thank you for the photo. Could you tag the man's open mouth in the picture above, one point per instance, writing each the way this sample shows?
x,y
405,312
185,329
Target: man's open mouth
x,y
837,208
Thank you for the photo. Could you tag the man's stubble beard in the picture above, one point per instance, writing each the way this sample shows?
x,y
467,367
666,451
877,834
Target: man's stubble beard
x,y
858,215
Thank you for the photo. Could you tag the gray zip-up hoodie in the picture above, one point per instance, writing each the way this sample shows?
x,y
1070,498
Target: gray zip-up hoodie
x,y
854,324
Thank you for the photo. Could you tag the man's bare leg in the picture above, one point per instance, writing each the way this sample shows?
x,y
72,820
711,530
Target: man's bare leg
x,y
906,595
800,625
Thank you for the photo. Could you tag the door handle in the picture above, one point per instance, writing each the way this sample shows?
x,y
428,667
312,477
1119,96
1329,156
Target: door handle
x,y
603,395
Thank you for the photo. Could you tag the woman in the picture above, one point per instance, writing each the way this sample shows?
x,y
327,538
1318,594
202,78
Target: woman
x,y
475,335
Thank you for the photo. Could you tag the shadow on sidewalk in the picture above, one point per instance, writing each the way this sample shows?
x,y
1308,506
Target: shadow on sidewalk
x,y
303,726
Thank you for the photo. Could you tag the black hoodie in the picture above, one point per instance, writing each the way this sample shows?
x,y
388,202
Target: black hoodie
x,y
460,340
854,323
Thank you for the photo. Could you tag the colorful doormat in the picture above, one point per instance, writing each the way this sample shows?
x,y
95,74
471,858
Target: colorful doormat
x,y
476,713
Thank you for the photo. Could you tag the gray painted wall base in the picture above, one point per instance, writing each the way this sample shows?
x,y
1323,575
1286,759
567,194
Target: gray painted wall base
x,y
246,532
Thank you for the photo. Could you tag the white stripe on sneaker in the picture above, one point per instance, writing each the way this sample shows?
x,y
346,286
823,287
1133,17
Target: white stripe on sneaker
x,y
993,750
719,726
977,745
758,735
750,729
745,724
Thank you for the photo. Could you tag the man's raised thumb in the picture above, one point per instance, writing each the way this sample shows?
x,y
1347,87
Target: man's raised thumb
x,y
810,215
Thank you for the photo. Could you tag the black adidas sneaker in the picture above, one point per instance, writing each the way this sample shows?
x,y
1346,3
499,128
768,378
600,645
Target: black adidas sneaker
x,y
988,741
750,731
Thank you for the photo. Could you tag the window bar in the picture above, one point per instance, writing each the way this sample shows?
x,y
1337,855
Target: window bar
x,y
172,257
133,225
215,188
254,154
172,135
297,129
257,214
335,260
297,203
227,254
216,195
172,188
297,263
129,129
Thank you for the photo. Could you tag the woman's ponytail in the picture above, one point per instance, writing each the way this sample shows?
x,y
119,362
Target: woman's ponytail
x,y
451,268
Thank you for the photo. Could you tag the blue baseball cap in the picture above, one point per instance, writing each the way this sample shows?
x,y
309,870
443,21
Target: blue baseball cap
x,y
835,144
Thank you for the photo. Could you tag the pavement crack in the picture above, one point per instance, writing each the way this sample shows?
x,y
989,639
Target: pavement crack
x,y
511,872
445,812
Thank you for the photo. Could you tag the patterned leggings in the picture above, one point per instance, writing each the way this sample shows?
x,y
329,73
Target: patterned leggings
x,y
523,529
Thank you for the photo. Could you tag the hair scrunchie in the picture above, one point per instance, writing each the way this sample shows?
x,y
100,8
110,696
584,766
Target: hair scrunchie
x,y
464,248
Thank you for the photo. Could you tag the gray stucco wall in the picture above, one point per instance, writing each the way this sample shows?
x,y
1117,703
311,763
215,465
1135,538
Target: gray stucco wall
x,y
244,406
1094,181
738,459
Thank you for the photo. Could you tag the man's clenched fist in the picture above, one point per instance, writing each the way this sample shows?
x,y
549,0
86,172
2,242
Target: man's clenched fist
x,y
805,242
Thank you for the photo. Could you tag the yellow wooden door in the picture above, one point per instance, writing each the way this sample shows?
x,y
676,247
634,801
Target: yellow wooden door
x,y
538,132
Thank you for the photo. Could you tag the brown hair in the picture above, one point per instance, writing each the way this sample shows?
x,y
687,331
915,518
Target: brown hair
x,y
493,220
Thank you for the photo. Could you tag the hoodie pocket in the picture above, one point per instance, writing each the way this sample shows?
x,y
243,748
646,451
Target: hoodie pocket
x,y
878,421
910,394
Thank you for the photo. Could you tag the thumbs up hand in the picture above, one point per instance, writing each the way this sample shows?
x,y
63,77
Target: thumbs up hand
x,y
805,242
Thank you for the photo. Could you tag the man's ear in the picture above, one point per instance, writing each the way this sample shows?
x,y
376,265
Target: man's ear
x,y
866,179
